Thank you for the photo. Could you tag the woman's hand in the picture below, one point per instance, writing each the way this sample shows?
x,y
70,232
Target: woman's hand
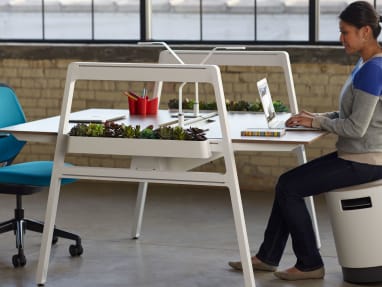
x,y
303,112
303,118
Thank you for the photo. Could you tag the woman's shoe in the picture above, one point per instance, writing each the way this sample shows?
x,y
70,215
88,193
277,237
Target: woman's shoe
x,y
302,275
261,266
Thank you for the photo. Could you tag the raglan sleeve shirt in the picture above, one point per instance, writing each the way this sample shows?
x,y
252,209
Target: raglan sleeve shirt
x,y
359,120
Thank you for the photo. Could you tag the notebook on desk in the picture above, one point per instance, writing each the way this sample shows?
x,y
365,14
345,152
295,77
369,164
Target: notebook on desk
x,y
96,116
273,121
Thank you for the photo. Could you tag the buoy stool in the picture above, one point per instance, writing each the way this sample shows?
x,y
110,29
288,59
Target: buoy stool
x,y
356,218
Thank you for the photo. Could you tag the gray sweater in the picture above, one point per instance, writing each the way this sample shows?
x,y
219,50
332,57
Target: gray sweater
x,y
358,123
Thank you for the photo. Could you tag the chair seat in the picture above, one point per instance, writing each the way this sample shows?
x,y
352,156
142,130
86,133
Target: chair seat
x,y
35,173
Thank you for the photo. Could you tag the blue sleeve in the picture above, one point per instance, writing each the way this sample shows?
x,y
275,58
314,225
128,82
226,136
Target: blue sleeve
x,y
369,77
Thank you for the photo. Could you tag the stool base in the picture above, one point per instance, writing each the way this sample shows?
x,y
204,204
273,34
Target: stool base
x,y
362,275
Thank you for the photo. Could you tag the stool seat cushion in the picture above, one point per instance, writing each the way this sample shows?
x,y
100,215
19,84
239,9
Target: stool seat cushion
x,y
360,186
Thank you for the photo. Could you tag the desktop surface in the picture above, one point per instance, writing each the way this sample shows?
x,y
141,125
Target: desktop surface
x,y
237,121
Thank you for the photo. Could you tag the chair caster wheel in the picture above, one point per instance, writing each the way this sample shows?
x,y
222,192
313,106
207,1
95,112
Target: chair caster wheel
x,y
19,260
75,250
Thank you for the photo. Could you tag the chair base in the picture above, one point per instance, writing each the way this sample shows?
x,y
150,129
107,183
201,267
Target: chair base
x,y
19,225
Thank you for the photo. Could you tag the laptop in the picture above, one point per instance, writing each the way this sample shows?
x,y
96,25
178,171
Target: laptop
x,y
96,116
269,111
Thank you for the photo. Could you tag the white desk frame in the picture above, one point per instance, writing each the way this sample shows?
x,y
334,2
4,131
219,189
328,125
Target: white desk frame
x,y
238,58
168,169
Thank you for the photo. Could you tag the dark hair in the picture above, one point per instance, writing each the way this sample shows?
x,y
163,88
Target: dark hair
x,y
360,14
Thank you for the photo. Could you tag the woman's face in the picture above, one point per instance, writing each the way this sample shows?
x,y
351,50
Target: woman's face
x,y
351,37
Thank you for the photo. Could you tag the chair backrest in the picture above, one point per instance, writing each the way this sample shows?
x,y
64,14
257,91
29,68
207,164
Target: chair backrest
x,y
11,113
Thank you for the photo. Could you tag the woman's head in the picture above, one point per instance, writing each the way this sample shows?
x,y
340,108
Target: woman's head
x,y
359,27
361,14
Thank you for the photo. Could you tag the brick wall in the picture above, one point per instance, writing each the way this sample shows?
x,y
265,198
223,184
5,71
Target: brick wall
x,y
38,78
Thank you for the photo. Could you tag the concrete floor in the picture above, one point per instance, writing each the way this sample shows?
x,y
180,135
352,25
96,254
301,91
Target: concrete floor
x,y
187,238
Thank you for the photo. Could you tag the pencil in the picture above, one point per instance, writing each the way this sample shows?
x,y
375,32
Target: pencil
x,y
128,94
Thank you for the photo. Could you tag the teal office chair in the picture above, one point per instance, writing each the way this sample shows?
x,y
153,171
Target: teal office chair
x,y
23,179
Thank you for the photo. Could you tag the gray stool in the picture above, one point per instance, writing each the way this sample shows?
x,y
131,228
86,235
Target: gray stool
x,y
356,218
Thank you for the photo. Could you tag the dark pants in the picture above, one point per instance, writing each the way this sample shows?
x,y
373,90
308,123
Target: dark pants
x,y
290,215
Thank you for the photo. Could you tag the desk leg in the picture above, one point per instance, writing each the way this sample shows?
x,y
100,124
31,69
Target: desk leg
x,y
301,157
46,242
139,208
241,233
238,217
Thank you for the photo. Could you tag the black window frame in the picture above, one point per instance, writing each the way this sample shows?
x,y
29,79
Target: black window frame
x,y
312,36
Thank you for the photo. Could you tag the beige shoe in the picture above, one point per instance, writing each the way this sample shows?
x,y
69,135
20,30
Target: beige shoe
x,y
303,275
255,266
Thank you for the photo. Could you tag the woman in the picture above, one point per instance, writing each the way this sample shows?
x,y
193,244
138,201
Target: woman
x,y
358,159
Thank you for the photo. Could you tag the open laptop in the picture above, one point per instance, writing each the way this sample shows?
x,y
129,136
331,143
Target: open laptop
x,y
269,111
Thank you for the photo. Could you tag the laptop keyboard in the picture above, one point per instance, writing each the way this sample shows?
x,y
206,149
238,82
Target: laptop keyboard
x,y
278,125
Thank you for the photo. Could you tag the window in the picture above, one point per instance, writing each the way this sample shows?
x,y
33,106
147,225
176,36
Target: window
x,y
67,19
231,20
19,21
249,21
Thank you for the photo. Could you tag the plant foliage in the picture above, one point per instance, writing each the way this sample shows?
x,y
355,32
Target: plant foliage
x,y
241,105
115,130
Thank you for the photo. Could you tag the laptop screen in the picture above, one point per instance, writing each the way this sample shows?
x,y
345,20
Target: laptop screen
x,y
266,99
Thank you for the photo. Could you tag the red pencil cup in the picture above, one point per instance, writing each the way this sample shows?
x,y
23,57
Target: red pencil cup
x,y
141,106
152,106
133,106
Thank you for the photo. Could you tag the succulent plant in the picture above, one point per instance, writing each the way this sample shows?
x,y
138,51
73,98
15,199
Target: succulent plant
x,y
147,133
179,133
195,134
112,129
79,130
128,132
240,105
164,132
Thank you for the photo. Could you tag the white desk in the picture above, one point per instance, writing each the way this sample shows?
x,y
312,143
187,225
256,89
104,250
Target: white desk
x,y
46,131
167,169
170,168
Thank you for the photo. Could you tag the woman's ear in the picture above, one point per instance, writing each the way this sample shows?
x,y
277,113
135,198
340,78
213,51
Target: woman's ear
x,y
366,32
